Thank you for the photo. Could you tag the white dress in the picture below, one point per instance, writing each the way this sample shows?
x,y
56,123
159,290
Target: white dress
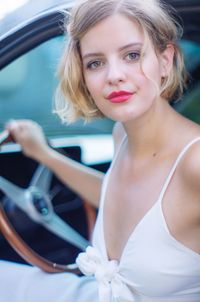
x,y
154,266
22,283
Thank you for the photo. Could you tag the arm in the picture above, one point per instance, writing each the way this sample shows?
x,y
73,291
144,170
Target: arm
x,y
83,180
90,179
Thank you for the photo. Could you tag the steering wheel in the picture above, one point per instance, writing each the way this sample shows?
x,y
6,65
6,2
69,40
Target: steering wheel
x,y
36,203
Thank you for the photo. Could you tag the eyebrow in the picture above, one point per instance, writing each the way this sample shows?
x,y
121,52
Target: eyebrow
x,y
98,54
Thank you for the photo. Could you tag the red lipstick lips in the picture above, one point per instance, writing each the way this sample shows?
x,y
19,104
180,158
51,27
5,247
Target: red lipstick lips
x,y
119,96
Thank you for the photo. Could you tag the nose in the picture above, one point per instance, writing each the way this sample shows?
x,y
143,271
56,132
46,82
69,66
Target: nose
x,y
115,73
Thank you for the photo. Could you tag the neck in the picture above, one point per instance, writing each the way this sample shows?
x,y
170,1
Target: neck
x,y
150,134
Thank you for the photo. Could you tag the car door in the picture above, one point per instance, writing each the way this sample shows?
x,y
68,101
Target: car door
x,y
29,55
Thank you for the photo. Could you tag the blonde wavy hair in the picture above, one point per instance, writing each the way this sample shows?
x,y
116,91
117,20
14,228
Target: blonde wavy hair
x,y
159,25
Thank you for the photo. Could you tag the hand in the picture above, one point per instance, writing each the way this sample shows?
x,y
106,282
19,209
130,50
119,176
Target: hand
x,y
30,136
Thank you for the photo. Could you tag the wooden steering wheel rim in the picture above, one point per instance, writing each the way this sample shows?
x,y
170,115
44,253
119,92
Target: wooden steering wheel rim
x,y
27,253
18,244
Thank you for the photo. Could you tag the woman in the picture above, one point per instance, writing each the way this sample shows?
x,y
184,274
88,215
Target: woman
x,y
123,62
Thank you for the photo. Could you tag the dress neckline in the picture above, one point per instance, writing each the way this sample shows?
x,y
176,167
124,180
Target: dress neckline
x,y
158,201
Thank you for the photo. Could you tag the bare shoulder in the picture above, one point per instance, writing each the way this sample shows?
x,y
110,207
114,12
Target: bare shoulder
x,y
118,134
190,166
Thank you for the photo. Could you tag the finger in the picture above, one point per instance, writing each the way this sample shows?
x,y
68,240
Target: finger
x,y
16,130
5,137
12,125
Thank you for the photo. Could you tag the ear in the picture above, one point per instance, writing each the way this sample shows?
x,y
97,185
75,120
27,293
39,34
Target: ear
x,y
167,57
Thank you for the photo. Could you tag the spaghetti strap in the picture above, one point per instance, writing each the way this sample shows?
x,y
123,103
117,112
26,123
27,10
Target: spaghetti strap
x,y
104,185
180,156
118,150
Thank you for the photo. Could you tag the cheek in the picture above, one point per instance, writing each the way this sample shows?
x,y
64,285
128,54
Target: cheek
x,y
87,82
95,90
151,78
91,84
151,66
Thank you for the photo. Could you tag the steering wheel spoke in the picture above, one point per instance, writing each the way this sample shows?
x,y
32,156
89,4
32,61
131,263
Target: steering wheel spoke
x,y
15,193
36,203
42,178
57,226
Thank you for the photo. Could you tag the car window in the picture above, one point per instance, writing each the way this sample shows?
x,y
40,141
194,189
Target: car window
x,y
27,88
28,84
190,104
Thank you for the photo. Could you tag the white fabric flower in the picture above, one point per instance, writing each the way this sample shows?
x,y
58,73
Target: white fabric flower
x,y
91,263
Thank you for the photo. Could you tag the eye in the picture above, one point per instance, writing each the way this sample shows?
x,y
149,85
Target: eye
x,y
94,64
133,56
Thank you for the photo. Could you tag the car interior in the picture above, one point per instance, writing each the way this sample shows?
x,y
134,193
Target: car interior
x,y
29,94
27,88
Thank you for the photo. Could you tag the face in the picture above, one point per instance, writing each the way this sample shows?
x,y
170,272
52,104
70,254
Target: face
x,y
122,86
